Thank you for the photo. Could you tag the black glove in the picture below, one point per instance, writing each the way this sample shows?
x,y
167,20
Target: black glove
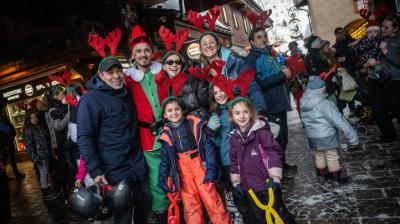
x,y
57,114
240,190
271,183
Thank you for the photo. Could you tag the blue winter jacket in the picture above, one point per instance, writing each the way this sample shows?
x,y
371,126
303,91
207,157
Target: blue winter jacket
x,y
169,149
107,133
222,140
233,67
321,119
270,78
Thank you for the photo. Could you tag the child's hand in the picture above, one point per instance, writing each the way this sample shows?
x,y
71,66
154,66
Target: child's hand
x,y
214,123
273,184
78,183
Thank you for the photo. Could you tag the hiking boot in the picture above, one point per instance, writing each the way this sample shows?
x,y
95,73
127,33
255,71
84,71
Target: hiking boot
x,y
321,175
339,179
49,194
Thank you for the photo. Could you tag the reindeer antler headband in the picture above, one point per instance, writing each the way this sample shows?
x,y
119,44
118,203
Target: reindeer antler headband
x,y
99,43
210,17
258,20
225,84
169,38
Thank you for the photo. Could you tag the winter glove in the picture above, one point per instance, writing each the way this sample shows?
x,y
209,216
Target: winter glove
x,y
164,187
240,190
272,184
57,114
214,123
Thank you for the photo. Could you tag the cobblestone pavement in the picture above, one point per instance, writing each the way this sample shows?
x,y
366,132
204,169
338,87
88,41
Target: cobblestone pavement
x,y
372,197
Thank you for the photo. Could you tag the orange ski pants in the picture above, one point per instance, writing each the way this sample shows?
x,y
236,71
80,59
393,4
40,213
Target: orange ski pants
x,y
193,191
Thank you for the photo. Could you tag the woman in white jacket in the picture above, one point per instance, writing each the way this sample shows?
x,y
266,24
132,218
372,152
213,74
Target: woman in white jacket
x,y
322,119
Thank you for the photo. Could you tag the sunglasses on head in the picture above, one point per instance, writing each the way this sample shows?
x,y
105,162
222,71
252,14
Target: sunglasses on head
x,y
171,62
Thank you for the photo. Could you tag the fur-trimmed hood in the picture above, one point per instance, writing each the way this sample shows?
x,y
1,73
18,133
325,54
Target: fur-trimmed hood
x,y
137,75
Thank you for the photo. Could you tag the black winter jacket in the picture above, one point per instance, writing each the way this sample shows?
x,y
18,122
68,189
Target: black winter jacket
x,y
107,133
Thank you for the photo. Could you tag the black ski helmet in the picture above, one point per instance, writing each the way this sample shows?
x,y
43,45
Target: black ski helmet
x,y
84,204
121,195
88,203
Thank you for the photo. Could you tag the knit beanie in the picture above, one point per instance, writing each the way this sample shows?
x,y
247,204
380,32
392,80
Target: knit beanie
x,y
315,82
316,43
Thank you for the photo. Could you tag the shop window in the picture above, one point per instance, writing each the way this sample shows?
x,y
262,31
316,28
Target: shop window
x,y
224,16
235,22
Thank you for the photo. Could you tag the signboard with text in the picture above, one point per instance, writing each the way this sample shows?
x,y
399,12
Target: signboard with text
x,y
27,90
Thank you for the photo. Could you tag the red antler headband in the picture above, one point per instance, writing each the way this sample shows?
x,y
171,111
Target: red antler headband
x,y
169,38
198,20
258,20
112,41
63,80
225,84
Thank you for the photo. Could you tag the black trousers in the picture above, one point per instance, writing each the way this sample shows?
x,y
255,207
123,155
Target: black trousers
x,y
385,98
5,203
282,139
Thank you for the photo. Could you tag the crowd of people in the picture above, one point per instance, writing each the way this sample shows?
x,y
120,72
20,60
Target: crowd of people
x,y
211,132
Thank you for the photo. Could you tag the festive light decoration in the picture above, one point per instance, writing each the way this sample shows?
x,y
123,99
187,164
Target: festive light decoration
x,y
359,32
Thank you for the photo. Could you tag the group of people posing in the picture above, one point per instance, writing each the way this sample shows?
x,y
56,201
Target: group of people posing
x,y
220,142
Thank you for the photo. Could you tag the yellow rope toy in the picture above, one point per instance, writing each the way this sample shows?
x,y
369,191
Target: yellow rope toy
x,y
269,210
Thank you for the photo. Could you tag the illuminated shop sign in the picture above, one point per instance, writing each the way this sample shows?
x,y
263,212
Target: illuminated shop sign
x,y
27,90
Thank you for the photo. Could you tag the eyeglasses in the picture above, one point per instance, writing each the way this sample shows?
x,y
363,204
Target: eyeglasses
x,y
171,62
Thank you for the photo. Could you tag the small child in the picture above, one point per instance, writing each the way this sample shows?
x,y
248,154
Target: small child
x,y
220,127
368,48
255,158
321,119
189,156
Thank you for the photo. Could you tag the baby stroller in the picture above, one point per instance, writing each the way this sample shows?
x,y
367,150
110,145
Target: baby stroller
x,y
352,93
363,112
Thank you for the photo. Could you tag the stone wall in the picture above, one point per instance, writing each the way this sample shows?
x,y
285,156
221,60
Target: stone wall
x,y
326,15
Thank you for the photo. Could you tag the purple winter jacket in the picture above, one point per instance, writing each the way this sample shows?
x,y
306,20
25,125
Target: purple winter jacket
x,y
252,155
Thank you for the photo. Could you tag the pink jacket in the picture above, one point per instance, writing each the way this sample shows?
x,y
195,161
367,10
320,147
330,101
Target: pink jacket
x,y
81,174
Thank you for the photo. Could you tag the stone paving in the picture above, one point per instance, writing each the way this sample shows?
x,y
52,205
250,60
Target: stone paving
x,y
372,197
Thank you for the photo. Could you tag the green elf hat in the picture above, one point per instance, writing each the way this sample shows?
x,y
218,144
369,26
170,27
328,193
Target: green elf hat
x,y
169,99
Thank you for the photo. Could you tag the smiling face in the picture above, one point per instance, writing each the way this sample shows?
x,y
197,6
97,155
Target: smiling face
x,y
173,65
220,96
241,115
173,112
142,55
114,77
209,47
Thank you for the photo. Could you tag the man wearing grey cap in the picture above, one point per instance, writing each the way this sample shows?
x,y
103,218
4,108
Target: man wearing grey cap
x,y
108,138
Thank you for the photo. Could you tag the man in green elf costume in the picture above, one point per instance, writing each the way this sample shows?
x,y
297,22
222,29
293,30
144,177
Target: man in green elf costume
x,y
147,100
